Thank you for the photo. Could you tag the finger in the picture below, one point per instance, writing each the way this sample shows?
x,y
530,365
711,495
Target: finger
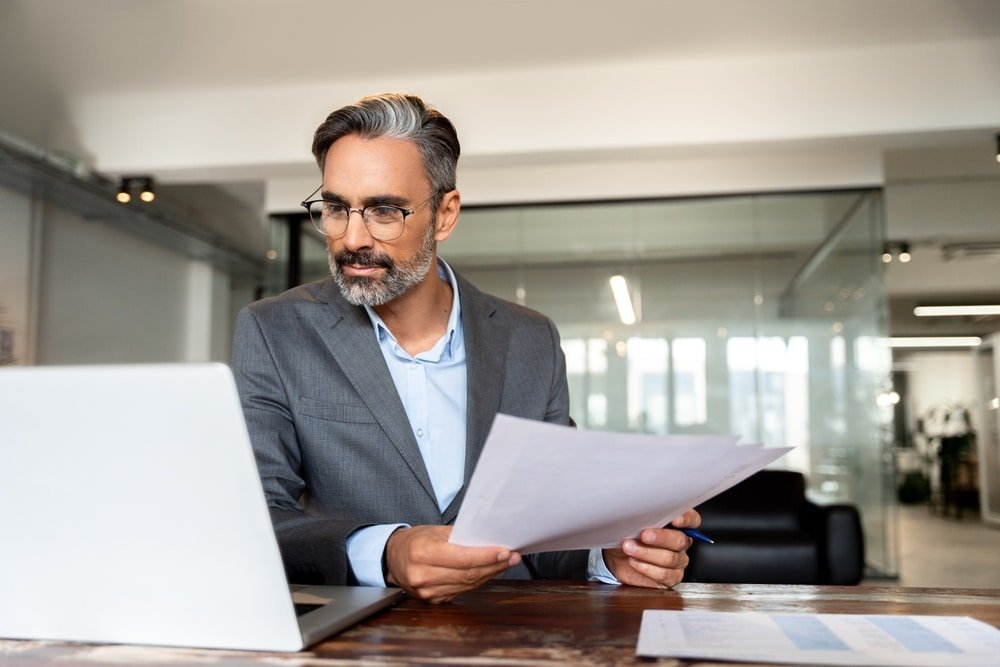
x,y
664,538
656,556
690,519
457,557
436,584
468,576
661,576
430,574
430,545
634,572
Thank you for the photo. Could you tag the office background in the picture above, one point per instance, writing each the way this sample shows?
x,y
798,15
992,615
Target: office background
x,y
742,165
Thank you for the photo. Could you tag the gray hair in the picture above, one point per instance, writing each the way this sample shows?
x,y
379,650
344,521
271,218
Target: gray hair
x,y
397,116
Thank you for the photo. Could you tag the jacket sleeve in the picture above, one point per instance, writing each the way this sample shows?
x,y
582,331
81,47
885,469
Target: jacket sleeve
x,y
312,547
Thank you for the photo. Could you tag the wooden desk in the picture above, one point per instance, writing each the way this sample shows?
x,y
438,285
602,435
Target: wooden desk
x,y
531,623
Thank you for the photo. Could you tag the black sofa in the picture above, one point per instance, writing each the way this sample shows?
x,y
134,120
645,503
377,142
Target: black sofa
x,y
767,532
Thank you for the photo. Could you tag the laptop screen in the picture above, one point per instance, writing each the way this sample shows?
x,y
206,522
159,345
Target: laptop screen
x,y
132,512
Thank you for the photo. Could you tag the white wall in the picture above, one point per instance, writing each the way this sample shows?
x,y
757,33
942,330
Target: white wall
x,y
15,273
208,335
109,297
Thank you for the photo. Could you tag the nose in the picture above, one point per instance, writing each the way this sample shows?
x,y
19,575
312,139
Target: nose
x,y
356,236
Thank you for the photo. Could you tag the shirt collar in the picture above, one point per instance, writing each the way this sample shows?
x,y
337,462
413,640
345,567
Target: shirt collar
x,y
446,273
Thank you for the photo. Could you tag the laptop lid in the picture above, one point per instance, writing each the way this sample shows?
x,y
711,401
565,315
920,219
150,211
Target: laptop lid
x,y
131,511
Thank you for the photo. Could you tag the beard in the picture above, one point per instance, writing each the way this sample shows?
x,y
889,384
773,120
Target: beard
x,y
397,279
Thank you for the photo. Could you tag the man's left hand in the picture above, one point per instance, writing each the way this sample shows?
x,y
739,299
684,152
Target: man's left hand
x,y
657,558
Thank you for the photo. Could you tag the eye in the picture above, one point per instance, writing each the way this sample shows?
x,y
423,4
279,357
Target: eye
x,y
334,209
384,213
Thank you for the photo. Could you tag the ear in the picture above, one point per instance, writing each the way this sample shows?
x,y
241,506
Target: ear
x,y
447,215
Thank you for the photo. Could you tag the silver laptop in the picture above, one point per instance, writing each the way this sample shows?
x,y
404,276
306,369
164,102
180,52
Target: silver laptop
x,y
131,511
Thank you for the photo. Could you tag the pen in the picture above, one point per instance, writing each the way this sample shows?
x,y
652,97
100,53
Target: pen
x,y
697,535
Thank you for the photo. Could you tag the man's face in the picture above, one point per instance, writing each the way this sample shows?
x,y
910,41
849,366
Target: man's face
x,y
362,172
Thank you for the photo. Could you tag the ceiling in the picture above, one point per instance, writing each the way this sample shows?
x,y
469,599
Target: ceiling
x,y
112,45
300,53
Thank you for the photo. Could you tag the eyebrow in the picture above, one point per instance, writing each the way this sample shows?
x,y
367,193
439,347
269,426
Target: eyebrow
x,y
372,200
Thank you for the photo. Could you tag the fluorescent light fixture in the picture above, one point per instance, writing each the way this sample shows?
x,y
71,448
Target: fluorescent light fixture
x,y
955,311
619,289
936,341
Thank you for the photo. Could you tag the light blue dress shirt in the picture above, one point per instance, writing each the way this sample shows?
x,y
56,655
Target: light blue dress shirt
x,y
432,387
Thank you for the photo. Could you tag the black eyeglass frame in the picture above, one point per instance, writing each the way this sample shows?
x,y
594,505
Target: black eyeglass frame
x,y
364,218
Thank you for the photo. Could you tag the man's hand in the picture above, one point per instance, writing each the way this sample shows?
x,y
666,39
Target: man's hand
x,y
421,561
657,559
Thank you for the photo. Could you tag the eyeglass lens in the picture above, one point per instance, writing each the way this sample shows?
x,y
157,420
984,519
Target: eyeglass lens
x,y
331,218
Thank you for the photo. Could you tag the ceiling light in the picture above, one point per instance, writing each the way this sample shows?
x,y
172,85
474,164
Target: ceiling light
x,y
146,194
123,196
904,253
619,289
955,311
131,184
899,250
936,341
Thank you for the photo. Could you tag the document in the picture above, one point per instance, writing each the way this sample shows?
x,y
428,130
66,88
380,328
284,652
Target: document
x,y
819,639
545,487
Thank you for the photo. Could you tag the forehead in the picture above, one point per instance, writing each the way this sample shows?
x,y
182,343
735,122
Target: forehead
x,y
356,166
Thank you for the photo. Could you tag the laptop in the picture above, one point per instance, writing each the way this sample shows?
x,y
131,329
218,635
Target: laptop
x,y
131,511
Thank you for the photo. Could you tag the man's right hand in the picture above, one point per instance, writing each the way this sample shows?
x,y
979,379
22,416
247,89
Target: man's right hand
x,y
422,561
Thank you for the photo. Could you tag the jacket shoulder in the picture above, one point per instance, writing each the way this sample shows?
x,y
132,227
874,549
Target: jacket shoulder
x,y
314,292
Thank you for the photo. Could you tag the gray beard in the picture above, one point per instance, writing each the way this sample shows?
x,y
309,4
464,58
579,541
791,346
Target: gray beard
x,y
397,280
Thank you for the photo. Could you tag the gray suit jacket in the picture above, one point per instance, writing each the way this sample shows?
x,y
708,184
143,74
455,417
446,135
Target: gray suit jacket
x,y
333,444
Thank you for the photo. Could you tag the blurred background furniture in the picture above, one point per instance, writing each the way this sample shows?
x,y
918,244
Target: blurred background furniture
x,y
959,474
767,532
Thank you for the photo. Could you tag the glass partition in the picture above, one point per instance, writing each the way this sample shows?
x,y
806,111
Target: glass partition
x,y
762,316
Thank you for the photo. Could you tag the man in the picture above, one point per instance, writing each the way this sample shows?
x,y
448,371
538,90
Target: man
x,y
369,394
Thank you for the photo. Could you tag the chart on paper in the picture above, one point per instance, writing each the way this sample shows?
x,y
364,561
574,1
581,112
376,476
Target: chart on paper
x,y
819,639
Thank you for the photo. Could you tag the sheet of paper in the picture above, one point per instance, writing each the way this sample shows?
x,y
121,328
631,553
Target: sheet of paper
x,y
819,639
544,487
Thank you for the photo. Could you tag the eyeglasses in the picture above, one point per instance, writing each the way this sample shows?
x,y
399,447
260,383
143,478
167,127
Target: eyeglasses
x,y
384,222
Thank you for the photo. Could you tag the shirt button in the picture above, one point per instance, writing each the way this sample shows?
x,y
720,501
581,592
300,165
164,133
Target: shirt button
x,y
413,367
420,432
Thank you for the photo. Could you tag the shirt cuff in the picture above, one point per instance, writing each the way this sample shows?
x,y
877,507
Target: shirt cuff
x,y
597,570
365,547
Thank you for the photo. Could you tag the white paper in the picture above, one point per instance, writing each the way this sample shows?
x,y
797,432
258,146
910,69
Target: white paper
x,y
819,639
544,487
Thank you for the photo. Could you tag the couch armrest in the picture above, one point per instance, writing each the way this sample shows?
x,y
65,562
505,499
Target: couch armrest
x,y
842,543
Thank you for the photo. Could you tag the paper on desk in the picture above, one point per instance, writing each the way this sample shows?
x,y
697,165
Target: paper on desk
x,y
544,487
819,639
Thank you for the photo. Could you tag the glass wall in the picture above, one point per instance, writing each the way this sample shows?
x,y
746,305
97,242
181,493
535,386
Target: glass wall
x,y
762,316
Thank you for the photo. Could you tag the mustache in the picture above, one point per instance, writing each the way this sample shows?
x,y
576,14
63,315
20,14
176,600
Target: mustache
x,y
363,259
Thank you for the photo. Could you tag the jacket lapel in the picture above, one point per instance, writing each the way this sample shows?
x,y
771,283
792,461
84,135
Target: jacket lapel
x,y
347,333
486,341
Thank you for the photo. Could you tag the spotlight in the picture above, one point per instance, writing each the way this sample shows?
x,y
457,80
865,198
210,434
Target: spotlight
x,y
146,194
124,196
896,250
904,253
131,184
